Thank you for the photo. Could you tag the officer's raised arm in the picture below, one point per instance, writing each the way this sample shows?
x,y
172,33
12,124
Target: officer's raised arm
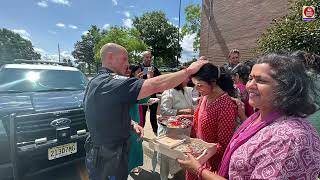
x,y
168,81
108,99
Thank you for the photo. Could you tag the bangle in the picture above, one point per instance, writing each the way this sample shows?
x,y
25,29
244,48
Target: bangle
x,y
199,172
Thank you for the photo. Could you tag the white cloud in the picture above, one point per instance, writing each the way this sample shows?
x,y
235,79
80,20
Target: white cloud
x,y
85,33
42,3
171,23
52,32
106,26
45,55
39,50
187,48
62,2
72,26
61,25
187,42
176,18
127,23
23,33
131,6
115,2
127,14
67,55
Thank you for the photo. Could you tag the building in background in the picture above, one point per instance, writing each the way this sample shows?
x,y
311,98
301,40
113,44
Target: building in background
x,y
228,24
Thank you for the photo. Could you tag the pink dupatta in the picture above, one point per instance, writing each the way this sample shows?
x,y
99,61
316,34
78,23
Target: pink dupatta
x,y
242,135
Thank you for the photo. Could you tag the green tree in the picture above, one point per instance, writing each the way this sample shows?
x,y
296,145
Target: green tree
x,y
192,24
68,61
160,35
186,64
13,46
128,38
84,49
291,32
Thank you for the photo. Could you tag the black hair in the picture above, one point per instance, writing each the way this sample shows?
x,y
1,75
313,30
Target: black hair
x,y
210,73
310,61
134,68
293,85
243,71
249,63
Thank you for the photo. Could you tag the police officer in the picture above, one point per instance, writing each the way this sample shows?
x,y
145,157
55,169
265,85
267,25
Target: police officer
x,y
107,100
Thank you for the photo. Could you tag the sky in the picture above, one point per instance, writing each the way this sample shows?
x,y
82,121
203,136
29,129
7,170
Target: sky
x,y
49,22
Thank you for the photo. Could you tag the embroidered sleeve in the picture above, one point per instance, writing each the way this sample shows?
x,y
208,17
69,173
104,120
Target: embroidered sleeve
x,y
287,155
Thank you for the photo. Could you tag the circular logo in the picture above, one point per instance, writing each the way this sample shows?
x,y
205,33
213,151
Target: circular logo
x,y
59,123
309,12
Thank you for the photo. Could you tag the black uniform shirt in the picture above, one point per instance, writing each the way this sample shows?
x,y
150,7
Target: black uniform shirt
x,y
106,104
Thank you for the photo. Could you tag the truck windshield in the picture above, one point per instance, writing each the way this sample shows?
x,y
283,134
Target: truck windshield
x,y
34,80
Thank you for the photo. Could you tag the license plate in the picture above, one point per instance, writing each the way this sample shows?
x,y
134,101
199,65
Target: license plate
x,y
61,151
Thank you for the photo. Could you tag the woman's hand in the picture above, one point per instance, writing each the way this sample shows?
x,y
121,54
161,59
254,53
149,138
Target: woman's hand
x,y
150,73
241,108
140,75
185,111
191,164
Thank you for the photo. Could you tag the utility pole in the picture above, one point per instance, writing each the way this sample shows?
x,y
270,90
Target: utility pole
x,y
59,52
179,32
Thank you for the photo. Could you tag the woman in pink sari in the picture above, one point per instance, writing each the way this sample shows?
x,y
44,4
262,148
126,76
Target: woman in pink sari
x,y
216,114
240,74
276,142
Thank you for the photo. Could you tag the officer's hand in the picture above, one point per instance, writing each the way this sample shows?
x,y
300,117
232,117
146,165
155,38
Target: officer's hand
x,y
139,130
195,66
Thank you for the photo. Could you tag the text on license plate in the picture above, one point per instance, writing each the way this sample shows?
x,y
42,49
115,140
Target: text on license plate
x,y
63,150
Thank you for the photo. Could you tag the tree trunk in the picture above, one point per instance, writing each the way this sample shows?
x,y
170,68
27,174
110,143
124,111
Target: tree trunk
x,y
89,67
97,66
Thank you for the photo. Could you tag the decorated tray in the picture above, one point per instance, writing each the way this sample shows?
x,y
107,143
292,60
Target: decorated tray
x,y
193,147
175,121
176,147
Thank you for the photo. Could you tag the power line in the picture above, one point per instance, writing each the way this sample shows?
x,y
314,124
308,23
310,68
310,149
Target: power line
x,y
179,32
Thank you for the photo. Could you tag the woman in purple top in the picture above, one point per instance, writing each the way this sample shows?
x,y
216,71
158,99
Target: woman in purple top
x,y
276,142
240,77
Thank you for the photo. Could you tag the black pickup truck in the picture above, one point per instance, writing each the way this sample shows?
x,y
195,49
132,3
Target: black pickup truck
x,y
42,124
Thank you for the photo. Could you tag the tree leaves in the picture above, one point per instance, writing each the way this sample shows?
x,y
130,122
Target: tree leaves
x,y
160,35
192,25
13,46
128,38
84,49
291,32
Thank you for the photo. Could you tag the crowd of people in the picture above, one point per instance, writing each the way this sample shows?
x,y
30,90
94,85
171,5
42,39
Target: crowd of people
x,y
263,115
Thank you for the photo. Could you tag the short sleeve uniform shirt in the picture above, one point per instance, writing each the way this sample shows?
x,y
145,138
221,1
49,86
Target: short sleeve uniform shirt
x,y
106,104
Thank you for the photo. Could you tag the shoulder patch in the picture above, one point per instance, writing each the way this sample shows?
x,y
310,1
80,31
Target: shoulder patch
x,y
119,77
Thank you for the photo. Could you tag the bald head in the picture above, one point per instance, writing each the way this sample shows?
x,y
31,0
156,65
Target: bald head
x,y
115,58
110,48
147,58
